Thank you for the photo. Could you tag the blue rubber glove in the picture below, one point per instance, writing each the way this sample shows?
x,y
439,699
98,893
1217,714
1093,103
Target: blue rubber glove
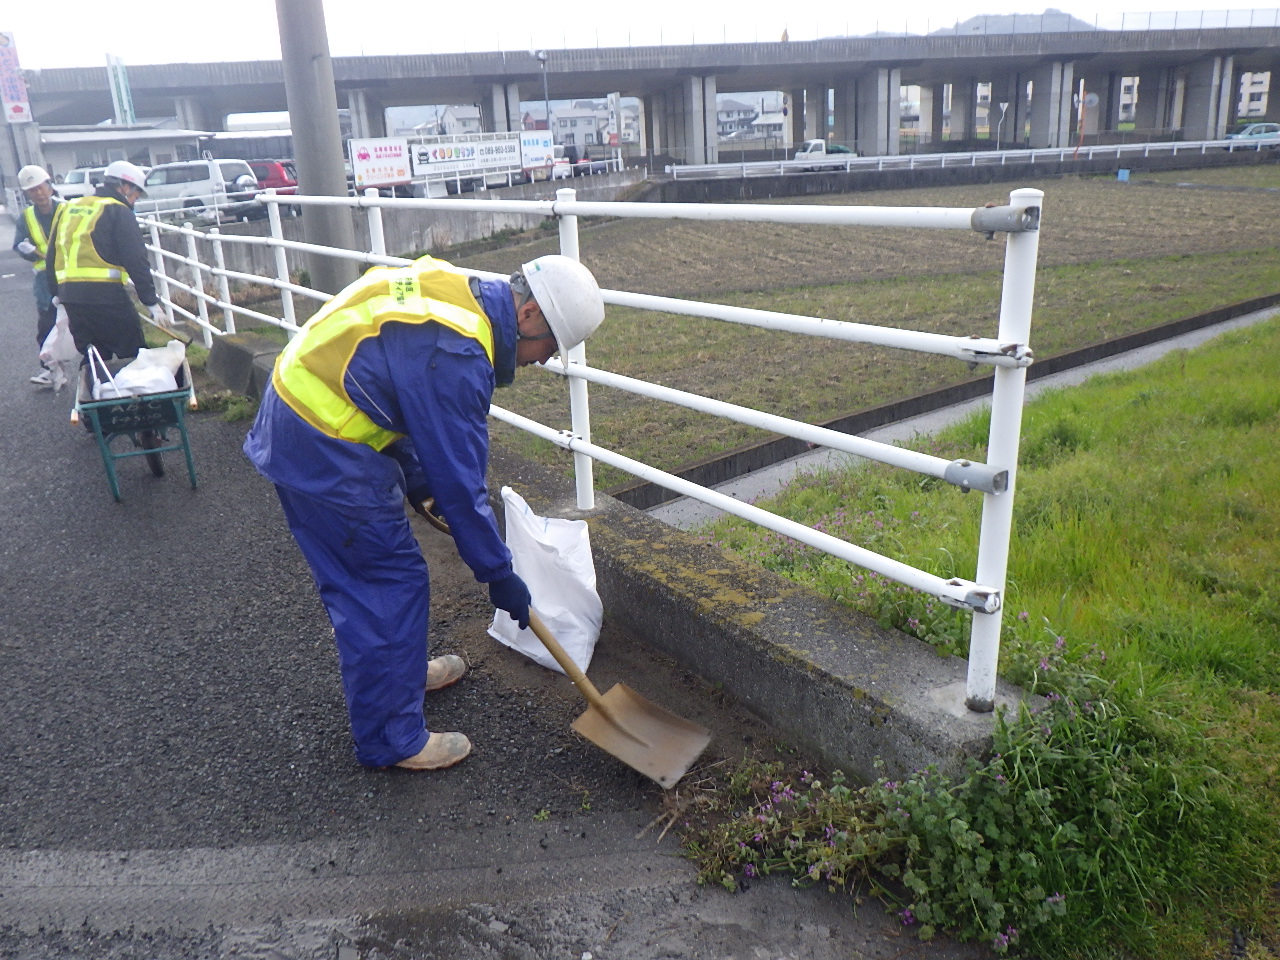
x,y
511,594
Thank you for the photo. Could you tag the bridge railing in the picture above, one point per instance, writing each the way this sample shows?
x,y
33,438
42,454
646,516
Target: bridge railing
x,y
852,163
190,273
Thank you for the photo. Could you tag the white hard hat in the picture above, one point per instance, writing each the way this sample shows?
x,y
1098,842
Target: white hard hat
x,y
32,176
569,298
126,171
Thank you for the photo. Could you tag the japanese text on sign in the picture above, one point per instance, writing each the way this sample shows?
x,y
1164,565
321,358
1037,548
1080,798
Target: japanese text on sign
x,y
13,89
380,163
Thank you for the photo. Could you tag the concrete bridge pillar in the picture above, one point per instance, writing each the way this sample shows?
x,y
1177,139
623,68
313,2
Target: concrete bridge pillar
x,y
815,113
651,119
500,111
1009,89
795,122
1103,117
368,118
930,123
1210,90
1052,85
868,112
964,107
1160,97
194,113
688,130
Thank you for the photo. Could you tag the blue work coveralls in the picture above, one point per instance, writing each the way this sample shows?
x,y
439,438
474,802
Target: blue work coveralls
x,y
344,502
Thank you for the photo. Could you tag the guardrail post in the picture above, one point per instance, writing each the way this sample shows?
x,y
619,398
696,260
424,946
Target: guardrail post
x,y
161,272
579,408
282,266
224,288
377,238
1007,396
197,281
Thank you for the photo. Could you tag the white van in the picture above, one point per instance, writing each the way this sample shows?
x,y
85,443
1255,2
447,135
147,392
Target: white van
x,y
213,189
80,182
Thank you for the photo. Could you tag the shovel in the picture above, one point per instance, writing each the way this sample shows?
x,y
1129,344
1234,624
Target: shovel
x,y
640,733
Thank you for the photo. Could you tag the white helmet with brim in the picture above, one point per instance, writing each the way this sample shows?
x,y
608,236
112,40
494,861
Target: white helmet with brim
x,y
568,296
127,172
32,176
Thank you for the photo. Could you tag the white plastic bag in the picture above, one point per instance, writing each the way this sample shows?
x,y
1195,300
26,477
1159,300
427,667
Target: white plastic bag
x,y
152,371
58,352
553,557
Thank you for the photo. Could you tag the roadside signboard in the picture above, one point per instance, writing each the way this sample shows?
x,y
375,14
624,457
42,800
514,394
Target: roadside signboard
x,y
537,149
381,162
462,156
13,89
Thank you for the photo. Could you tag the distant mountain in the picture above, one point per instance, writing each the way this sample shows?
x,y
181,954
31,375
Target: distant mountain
x,y
1051,21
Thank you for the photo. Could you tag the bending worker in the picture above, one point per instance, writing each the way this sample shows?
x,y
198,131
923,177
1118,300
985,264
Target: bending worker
x,y
95,242
385,394
31,241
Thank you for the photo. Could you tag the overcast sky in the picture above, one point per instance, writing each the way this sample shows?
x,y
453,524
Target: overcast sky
x,y
73,33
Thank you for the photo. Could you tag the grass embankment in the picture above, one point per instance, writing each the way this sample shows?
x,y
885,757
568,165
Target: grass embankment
x,y
1135,814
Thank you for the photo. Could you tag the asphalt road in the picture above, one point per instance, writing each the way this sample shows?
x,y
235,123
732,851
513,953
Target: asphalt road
x,y
176,776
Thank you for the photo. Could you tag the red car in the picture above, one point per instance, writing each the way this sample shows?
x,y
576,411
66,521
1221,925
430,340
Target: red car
x,y
278,175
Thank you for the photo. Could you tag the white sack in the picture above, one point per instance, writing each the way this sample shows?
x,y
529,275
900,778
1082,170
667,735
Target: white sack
x,y
553,557
58,352
154,370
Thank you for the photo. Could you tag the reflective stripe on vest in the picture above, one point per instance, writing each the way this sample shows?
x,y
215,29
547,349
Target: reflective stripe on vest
x,y
310,371
75,258
37,235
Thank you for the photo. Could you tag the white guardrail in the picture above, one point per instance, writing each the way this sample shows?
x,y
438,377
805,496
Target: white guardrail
x,y
1008,352
851,163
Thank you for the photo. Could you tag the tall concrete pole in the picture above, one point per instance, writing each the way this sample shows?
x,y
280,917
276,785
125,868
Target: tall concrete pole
x,y
317,140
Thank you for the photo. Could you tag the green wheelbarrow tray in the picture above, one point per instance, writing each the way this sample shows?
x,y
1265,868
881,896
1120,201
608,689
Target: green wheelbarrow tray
x,y
145,420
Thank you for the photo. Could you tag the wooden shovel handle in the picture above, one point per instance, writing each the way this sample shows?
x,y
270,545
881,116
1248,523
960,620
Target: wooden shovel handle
x,y
575,673
586,687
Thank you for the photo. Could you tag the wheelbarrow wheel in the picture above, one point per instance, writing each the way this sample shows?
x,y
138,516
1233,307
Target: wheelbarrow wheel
x,y
149,439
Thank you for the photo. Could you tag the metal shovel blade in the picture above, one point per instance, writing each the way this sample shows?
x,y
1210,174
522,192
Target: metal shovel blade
x,y
643,735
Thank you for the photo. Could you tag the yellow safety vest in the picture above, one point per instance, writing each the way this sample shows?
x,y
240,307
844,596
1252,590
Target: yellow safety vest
x,y
75,258
309,373
37,235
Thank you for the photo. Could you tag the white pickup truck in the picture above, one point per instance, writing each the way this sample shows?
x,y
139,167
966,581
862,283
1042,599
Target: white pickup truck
x,y
820,149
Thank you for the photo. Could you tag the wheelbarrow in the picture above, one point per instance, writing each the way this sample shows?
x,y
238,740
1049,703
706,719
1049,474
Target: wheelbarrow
x,y
139,425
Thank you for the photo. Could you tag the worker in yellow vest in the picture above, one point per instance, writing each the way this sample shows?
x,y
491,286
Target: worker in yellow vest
x,y
95,244
385,394
31,241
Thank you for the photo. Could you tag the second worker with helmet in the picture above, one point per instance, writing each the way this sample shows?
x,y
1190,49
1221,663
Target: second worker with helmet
x,y
385,394
95,243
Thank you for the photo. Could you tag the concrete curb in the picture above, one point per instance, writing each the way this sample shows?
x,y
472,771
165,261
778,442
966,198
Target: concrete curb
x,y
830,680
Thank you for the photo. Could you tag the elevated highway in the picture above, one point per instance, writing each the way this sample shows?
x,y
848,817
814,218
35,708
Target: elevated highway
x,y
1186,83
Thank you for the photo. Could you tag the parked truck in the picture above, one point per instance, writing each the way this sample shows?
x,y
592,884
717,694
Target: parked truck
x,y
821,150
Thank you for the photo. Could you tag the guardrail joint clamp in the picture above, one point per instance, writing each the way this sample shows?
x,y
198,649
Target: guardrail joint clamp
x,y
1005,219
968,475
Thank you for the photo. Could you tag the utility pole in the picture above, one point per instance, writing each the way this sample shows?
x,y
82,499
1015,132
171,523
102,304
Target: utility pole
x,y
317,139
542,56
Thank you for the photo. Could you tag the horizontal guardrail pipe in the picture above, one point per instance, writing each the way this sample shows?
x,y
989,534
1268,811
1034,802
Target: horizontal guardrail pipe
x,y
215,302
955,592
968,349
935,218
818,436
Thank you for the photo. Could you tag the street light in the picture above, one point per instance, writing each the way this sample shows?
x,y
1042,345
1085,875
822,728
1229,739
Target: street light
x,y
542,57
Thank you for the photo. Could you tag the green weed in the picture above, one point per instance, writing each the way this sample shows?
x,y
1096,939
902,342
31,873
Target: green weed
x,y
1131,811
